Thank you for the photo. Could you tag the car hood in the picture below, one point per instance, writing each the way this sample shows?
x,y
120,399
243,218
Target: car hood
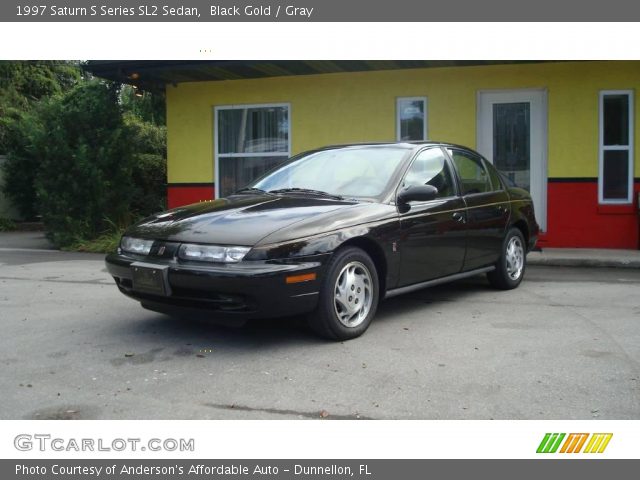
x,y
237,220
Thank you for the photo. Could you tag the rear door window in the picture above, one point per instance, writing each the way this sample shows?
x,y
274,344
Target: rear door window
x,y
493,175
474,177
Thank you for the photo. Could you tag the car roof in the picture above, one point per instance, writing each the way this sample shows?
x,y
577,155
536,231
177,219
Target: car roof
x,y
409,145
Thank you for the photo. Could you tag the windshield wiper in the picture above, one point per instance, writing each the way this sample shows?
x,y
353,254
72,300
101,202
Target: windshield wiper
x,y
307,191
251,190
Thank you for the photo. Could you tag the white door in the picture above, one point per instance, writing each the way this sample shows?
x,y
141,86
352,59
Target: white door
x,y
512,134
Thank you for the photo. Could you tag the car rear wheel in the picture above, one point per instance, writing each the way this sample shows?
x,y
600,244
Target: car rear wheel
x,y
348,296
511,266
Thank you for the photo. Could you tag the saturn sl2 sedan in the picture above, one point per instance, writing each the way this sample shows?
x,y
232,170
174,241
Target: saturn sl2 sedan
x,y
330,233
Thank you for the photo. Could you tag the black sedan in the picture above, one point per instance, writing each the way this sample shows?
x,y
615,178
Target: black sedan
x,y
329,233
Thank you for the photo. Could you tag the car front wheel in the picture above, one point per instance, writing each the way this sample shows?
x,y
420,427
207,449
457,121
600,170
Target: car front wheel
x,y
348,297
511,265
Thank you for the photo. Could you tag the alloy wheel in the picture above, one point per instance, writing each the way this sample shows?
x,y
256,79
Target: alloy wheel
x,y
353,294
515,258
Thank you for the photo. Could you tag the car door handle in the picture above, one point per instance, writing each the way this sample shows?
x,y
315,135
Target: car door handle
x,y
458,217
501,209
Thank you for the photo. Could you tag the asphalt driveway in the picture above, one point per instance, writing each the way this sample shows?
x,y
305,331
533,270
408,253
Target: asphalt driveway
x,y
565,345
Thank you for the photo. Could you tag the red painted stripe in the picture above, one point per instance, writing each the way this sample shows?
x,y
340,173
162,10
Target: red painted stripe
x,y
574,218
179,195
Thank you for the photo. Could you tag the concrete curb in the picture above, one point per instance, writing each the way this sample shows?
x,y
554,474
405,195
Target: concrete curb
x,y
594,258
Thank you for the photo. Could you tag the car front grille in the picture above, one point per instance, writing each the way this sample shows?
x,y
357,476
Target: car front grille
x,y
191,298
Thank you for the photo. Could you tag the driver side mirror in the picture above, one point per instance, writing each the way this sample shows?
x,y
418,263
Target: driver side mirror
x,y
416,193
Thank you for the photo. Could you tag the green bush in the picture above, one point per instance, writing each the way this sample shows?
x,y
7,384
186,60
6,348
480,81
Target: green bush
x,y
84,178
21,132
84,155
6,225
149,168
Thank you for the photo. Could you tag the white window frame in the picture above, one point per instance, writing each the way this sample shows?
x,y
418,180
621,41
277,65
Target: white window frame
x,y
602,148
425,129
217,155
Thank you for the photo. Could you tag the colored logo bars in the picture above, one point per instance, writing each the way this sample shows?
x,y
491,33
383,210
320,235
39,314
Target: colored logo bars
x,y
597,442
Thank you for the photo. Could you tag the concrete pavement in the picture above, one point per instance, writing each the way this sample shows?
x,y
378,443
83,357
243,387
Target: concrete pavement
x,y
564,345
21,239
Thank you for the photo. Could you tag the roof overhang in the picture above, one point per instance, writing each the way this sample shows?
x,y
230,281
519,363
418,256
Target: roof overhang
x,y
155,75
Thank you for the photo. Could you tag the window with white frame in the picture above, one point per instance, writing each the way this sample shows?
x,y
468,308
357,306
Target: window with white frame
x,y
249,141
411,118
615,179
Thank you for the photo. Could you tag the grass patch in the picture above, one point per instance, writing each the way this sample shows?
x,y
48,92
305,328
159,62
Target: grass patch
x,y
106,243
7,225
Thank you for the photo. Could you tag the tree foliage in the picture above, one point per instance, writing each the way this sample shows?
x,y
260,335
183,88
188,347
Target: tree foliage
x,y
24,83
149,107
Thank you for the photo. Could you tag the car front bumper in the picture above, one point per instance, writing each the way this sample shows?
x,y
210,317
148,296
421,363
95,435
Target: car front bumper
x,y
229,292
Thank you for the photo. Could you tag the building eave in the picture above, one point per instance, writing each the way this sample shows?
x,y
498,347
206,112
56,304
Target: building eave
x,y
155,75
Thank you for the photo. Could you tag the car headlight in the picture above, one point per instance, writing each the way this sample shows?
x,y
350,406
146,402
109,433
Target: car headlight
x,y
136,245
212,253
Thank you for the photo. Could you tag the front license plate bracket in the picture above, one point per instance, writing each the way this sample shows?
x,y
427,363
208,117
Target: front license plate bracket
x,y
150,278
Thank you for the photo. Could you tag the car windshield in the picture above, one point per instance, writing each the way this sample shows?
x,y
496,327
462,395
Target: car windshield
x,y
345,172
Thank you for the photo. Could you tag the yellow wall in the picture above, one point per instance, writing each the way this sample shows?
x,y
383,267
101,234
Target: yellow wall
x,y
356,107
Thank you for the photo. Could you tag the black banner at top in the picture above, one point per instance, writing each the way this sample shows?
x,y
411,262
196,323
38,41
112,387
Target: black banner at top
x,y
319,11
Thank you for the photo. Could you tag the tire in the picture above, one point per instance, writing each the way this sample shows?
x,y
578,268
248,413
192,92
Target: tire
x,y
512,263
348,296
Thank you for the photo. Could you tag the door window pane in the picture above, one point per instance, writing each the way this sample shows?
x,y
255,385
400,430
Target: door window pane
x,y
412,119
430,168
473,175
511,141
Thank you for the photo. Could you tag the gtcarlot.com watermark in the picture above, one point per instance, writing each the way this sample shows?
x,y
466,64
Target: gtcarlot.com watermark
x,y
44,442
